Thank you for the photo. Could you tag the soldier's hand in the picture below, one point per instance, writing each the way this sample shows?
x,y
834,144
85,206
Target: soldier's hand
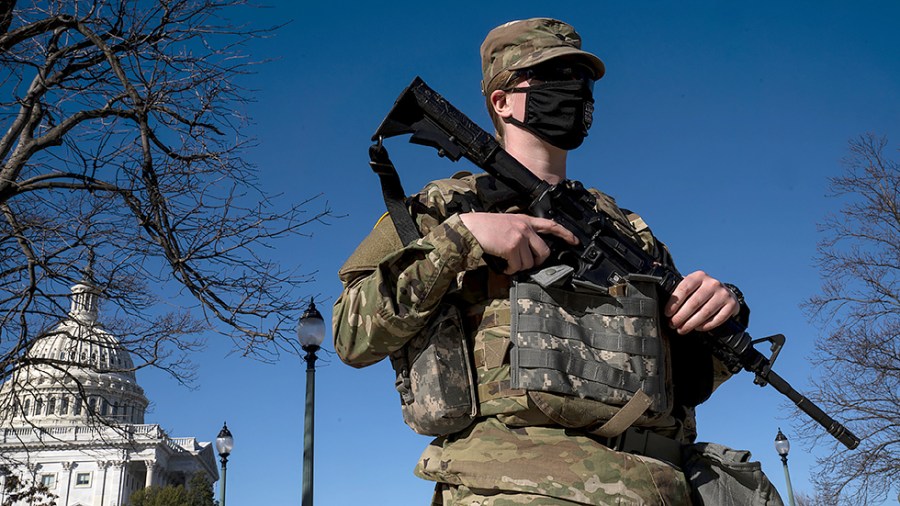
x,y
700,302
514,237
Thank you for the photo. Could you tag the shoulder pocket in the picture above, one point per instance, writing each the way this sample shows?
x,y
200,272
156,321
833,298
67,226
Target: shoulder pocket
x,y
381,241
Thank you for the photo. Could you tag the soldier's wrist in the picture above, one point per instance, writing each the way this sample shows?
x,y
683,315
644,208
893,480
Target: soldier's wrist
x,y
743,313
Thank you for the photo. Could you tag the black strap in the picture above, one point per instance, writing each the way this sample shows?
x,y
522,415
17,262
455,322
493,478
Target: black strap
x,y
392,191
395,201
643,441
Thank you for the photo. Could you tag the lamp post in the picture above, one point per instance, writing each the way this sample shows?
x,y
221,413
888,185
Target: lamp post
x,y
310,333
224,444
783,446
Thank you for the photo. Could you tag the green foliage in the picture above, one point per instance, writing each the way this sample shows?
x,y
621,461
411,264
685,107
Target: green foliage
x,y
159,496
198,493
18,491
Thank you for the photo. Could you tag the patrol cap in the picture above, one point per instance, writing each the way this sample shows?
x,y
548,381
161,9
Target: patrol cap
x,y
525,43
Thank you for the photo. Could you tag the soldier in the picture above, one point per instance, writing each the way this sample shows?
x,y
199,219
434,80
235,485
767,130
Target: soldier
x,y
539,435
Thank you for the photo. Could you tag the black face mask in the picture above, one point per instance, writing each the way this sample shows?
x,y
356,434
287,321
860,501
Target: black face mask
x,y
559,112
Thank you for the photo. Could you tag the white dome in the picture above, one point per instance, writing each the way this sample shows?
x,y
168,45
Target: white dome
x,y
86,349
80,368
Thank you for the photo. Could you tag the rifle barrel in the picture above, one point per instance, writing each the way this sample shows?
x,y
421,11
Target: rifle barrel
x,y
833,427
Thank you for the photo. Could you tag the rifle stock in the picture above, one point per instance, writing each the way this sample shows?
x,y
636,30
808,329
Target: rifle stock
x,y
605,254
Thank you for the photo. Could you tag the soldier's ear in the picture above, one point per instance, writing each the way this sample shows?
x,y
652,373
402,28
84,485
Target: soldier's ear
x,y
501,103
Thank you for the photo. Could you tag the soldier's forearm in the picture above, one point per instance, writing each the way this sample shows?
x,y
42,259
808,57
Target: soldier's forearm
x,y
379,312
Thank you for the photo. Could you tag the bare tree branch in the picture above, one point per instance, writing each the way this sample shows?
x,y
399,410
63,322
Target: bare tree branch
x,y
122,142
858,354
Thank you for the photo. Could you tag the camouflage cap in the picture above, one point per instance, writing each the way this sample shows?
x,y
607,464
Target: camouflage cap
x,y
525,43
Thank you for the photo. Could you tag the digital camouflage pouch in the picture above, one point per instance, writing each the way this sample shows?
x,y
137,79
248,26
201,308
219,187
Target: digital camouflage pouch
x,y
435,377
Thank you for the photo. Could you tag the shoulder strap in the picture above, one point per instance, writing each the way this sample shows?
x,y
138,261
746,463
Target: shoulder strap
x,y
406,229
392,191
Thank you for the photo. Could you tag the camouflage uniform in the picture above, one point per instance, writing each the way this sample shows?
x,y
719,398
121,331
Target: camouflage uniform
x,y
513,453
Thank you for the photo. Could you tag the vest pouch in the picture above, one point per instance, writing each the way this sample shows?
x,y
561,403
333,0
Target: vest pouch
x,y
583,355
434,377
720,476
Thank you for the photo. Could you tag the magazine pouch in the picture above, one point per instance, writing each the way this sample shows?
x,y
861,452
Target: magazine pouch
x,y
434,376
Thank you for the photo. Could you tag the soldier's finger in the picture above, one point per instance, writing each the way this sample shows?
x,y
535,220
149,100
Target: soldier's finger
x,y
717,319
514,259
545,226
526,256
685,291
512,263
693,316
539,249
728,307
695,309
680,295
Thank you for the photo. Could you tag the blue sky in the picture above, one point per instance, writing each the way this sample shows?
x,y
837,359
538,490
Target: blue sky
x,y
718,122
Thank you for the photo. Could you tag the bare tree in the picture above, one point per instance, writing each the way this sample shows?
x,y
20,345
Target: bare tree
x,y
123,165
858,355
802,499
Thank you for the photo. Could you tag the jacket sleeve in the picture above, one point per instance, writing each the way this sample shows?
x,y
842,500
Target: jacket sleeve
x,y
383,305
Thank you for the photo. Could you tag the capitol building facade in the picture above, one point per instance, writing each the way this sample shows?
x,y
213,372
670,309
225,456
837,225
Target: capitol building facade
x,y
47,433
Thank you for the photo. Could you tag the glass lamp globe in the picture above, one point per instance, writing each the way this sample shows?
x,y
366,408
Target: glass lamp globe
x,y
311,327
224,441
782,445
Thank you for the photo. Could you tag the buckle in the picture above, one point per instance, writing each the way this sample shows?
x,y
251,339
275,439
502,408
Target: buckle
x,y
645,442
615,443
635,440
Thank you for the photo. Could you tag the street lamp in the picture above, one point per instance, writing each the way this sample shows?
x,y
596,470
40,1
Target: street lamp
x,y
310,333
224,444
783,446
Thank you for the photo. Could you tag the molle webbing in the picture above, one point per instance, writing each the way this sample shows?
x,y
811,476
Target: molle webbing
x,y
497,390
586,345
555,368
599,304
591,328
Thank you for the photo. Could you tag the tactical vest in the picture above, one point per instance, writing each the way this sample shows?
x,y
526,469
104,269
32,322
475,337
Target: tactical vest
x,y
574,358
553,356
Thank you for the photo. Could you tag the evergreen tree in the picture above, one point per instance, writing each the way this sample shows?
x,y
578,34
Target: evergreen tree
x,y
198,493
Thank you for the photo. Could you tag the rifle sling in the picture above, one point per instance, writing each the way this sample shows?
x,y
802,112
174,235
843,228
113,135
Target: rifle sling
x,y
394,196
395,201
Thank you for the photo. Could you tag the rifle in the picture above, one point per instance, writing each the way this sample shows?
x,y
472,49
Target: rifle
x,y
604,256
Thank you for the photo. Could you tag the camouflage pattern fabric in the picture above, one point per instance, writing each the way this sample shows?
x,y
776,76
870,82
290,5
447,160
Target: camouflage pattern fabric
x,y
378,314
525,43
384,305
590,345
435,380
493,464
462,494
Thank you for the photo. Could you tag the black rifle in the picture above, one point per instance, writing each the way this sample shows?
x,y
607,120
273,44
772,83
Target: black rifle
x,y
604,256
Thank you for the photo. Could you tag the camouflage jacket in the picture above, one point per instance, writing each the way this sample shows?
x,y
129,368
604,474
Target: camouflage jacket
x,y
390,292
